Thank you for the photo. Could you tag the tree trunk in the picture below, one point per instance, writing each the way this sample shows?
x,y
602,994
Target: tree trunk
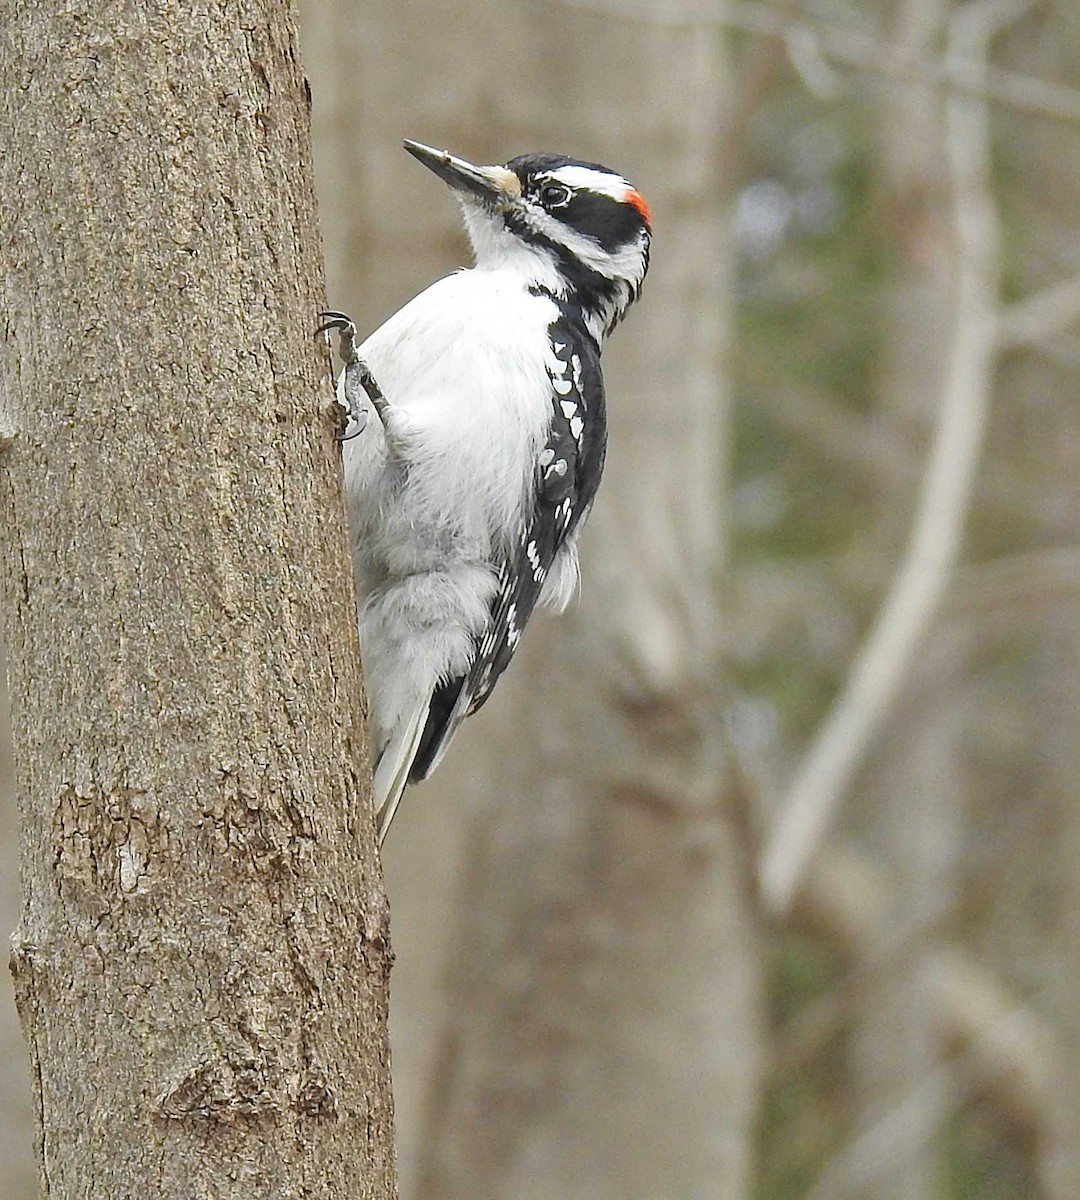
x,y
201,964
911,788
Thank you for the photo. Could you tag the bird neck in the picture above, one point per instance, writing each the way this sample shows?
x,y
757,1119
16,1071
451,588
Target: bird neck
x,y
547,267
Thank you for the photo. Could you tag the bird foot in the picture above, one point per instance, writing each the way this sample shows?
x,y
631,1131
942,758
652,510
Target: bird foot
x,y
357,384
353,385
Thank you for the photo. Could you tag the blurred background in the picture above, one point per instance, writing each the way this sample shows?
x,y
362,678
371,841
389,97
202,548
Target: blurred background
x,y
760,875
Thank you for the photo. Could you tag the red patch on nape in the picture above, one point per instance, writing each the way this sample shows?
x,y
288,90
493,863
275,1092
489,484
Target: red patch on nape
x,y
634,197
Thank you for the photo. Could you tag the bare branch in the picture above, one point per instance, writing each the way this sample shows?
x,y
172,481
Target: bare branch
x,y
1005,1041
961,73
1039,317
882,665
875,451
1033,579
1007,1035
878,1151
809,58
1004,1044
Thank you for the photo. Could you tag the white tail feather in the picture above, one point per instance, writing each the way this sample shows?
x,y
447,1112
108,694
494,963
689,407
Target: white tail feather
x,y
392,771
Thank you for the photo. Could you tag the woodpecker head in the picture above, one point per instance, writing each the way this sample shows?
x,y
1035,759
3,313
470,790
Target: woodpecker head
x,y
575,228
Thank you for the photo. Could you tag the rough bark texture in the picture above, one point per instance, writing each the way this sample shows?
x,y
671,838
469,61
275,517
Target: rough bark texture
x,y
201,965
16,1115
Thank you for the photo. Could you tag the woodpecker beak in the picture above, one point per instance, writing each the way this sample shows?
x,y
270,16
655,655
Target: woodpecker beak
x,y
495,186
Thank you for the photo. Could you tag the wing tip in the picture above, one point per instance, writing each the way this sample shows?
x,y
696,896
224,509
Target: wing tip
x,y
393,772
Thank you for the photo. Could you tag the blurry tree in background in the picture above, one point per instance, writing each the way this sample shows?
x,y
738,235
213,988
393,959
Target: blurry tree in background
x,y
828,635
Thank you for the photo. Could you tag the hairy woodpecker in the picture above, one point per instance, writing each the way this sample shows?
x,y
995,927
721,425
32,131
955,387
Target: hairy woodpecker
x,y
468,494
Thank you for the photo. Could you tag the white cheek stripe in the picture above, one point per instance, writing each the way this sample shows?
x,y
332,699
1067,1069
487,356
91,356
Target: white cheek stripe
x,y
626,263
604,182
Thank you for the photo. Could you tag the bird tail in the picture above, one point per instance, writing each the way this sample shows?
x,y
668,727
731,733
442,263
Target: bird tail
x,y
395,762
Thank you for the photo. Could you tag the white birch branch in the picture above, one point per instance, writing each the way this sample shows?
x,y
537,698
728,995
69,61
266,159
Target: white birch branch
x,y
885,659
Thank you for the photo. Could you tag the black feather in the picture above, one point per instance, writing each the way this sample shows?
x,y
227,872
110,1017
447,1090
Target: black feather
x,y
567,475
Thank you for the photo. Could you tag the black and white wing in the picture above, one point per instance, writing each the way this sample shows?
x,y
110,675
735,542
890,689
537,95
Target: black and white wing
x,y
567,476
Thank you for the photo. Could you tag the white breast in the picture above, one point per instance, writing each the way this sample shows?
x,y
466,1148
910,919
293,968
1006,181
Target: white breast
x,y
466,361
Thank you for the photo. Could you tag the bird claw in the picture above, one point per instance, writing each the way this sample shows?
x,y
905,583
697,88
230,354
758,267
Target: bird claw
x,y
351,393
357,385
346,329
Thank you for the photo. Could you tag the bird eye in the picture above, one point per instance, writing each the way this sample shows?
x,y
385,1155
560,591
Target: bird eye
x,y
554,195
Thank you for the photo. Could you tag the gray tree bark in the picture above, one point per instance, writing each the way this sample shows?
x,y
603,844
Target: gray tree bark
x,y
201,964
